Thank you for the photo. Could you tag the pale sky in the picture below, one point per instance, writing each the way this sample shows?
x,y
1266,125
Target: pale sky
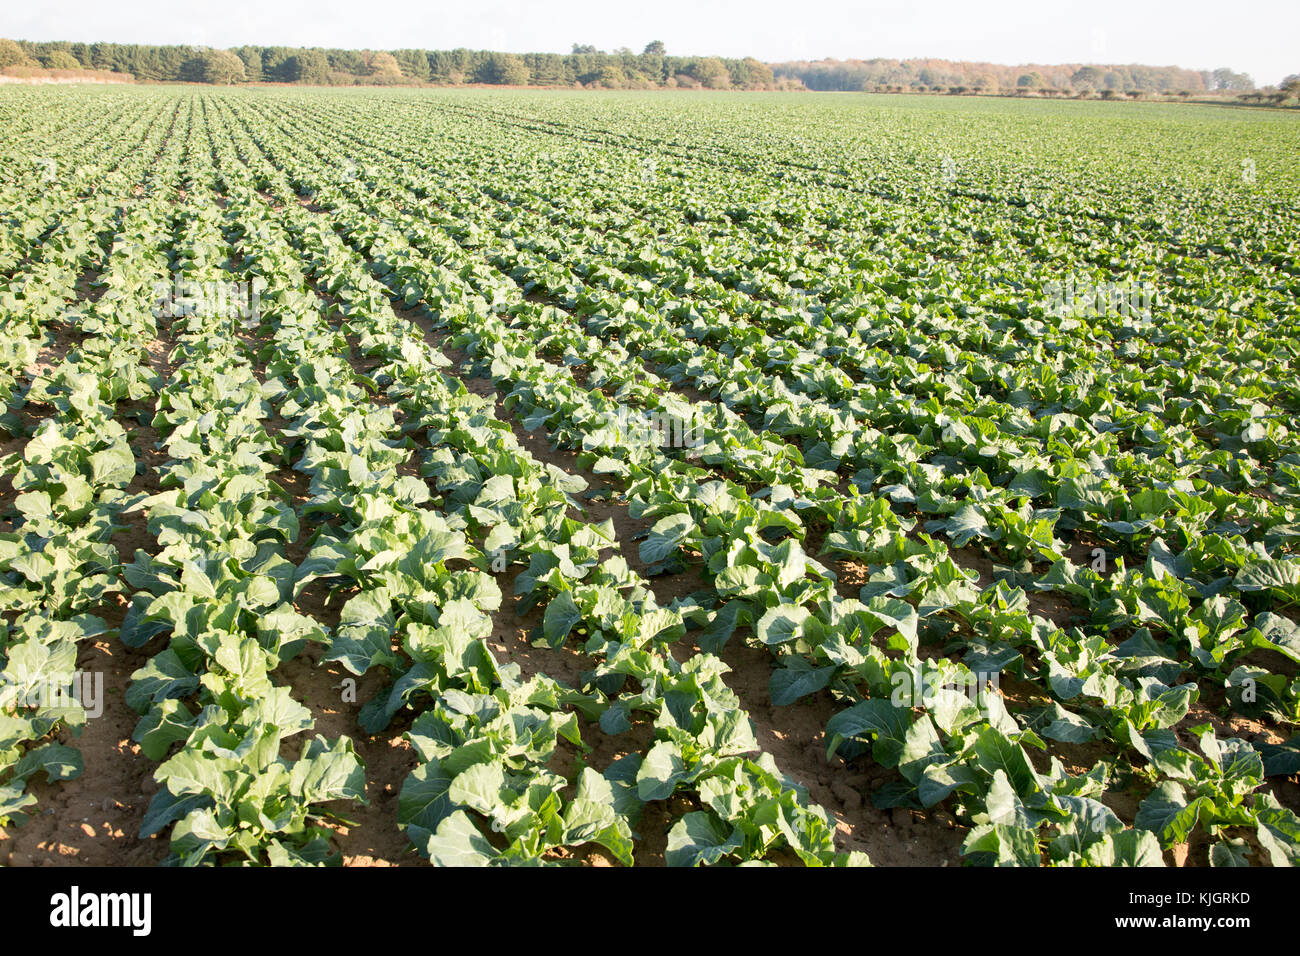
x,y
1258,37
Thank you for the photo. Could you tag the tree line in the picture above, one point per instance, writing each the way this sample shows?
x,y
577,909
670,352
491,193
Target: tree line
x,y
945,75
587,66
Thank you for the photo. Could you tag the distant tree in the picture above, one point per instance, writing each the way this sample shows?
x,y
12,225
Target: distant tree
x,y
547,69
226,67
652,67
220,67
414,64
751,74
11,54
275,64
465,61
167,64
101,56
194,69
503,69
385,66
440,66
60,60
611,77
347,61
1087,77
252,57
1228,81
450,66
307,66
1291,84
710,72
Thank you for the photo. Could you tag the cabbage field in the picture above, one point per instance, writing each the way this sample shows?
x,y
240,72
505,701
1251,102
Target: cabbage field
x,y
466,477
